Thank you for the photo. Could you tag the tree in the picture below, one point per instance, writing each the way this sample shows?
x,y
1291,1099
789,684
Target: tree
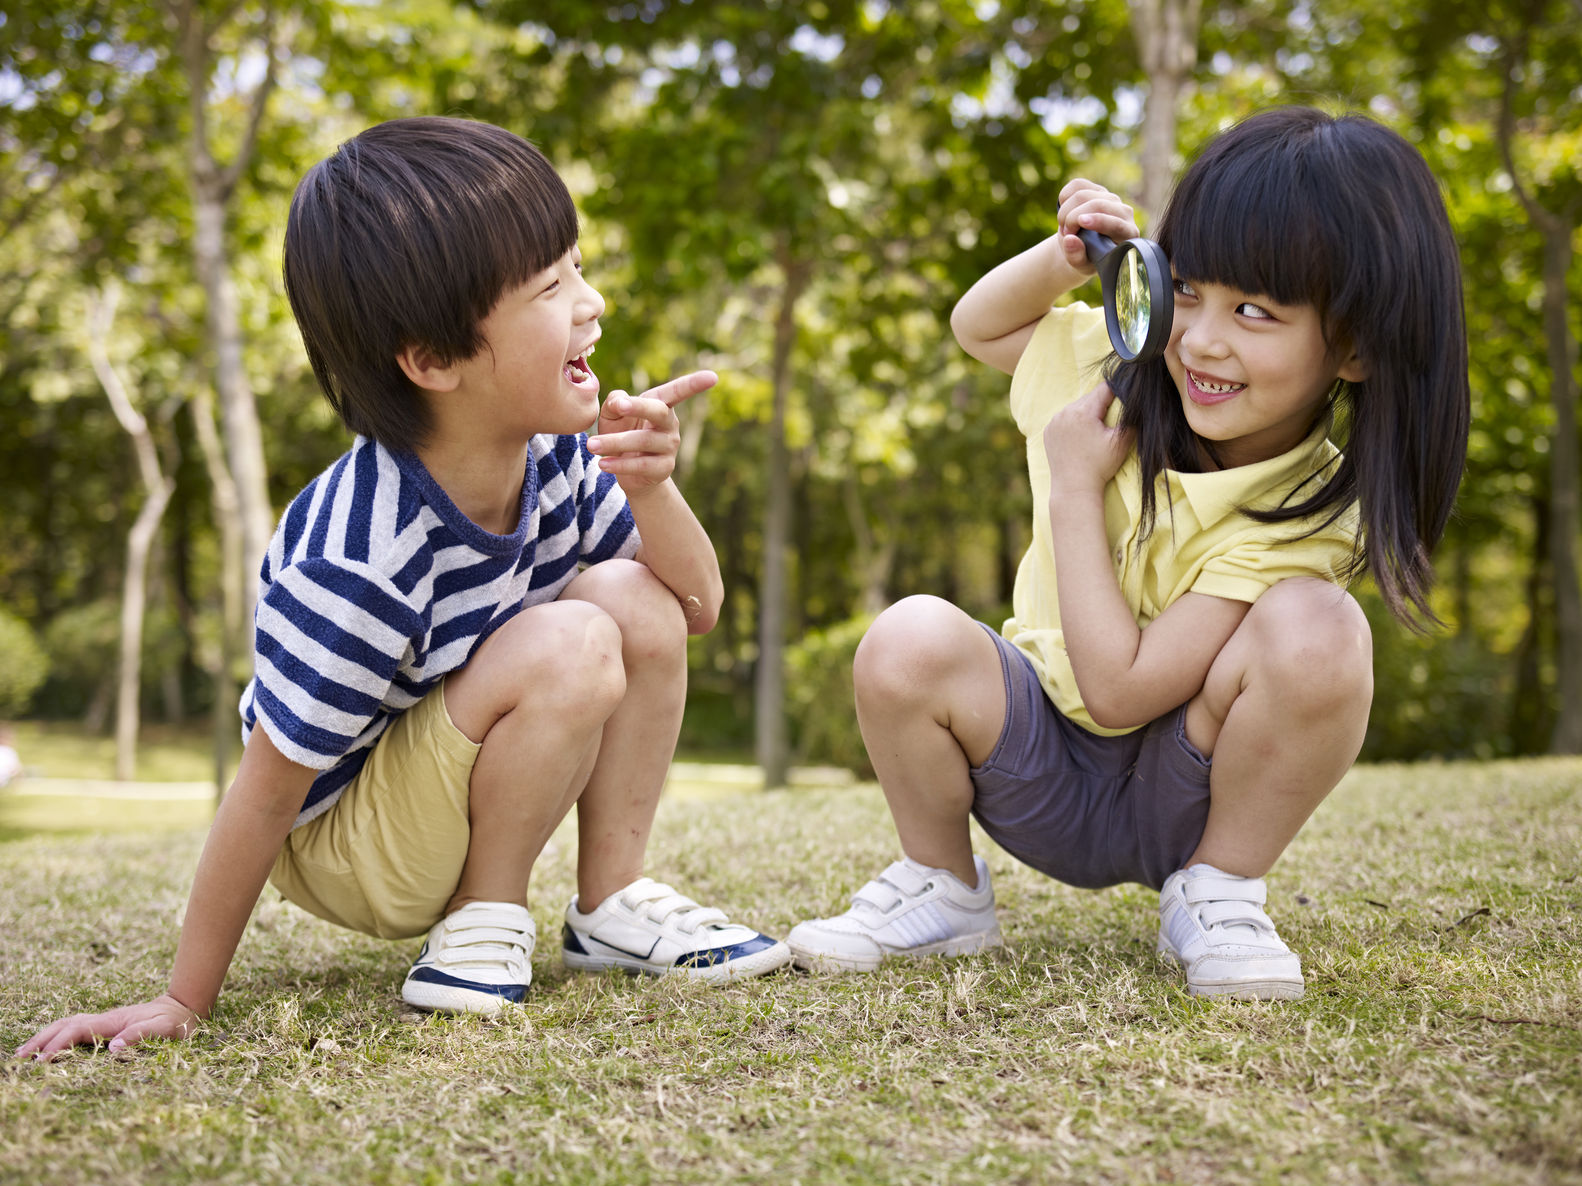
x,y
140,539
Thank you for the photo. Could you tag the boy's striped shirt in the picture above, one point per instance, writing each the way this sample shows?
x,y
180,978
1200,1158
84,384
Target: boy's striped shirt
x,y
376,586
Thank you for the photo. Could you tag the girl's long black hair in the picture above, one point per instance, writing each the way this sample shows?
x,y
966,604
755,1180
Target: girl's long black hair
x,y
1343,214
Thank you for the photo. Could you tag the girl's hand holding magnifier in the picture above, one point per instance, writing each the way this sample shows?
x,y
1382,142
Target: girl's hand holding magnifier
x,y
1100,235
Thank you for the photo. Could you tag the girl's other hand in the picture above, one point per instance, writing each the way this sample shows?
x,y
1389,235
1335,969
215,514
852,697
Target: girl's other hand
x,y
1084,452
1086,205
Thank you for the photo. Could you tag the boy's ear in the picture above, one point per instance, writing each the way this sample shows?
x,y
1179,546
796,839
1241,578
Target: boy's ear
x,y
423,366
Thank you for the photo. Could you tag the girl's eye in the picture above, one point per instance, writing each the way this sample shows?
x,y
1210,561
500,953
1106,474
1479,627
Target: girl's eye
x,y
1256,312
1183,288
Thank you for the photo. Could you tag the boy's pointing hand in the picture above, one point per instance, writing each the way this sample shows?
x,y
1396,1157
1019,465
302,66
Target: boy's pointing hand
x,y
638,435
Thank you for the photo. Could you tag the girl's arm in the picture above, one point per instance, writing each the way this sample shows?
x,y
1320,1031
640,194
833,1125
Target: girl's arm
x,y
637,441
1127,676
249,830
995,318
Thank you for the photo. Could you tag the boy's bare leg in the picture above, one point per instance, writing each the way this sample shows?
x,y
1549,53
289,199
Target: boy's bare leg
x,y
1282,713
616,811
931,705
536,696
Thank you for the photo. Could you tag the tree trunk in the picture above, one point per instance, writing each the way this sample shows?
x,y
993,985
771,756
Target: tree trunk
x,y
773,749
212,189
1166,33
222,666
101,316
1565,474
1556,230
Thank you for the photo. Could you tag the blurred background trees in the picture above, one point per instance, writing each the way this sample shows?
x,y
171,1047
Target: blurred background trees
x,y
791,193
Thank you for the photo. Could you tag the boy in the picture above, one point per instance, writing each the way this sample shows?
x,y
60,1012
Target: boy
x,y
436,682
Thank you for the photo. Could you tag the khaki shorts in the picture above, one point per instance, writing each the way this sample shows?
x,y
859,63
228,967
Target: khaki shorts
x,y
387,856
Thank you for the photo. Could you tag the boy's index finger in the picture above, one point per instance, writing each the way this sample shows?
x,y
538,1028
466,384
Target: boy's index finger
x,y
683,387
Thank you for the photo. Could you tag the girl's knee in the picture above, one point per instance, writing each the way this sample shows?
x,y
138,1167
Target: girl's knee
x,y
1311,635
908,645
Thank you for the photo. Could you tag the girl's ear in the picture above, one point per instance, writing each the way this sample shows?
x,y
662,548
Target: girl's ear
x,y
1354,370
424,368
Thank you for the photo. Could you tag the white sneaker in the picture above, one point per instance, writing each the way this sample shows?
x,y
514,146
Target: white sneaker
x,y
475,960
1214,924
648,927
909,909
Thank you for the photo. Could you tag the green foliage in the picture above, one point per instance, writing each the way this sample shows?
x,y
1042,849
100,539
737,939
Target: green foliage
x,y
1433,696
23,664
819,696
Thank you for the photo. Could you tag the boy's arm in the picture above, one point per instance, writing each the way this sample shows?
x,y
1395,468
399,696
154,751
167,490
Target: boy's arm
x,y
636,442
996,317
249,830
1127,676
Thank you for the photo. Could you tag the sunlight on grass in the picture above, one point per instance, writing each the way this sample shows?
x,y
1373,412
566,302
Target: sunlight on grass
x,y
1438,910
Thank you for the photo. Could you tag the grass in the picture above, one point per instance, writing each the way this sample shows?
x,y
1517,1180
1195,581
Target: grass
x,y
1439,910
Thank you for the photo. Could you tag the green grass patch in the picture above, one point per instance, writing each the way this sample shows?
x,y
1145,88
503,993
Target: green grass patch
x,y
60,749
1438,908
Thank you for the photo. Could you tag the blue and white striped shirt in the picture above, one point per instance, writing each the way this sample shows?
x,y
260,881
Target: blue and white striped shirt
x,y
376,586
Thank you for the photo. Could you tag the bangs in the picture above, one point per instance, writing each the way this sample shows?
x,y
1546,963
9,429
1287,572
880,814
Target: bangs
x,y
1260,211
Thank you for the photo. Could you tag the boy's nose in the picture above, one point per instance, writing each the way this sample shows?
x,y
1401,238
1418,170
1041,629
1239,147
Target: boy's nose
x,y
591,303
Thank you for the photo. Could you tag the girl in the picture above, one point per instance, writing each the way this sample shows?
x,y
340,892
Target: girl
x,y
1175,707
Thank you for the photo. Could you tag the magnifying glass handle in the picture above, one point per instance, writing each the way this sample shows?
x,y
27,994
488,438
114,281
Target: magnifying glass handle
x,y
1098,245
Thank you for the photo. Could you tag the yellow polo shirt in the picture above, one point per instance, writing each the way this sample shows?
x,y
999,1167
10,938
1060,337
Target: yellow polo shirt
x,y
1200,543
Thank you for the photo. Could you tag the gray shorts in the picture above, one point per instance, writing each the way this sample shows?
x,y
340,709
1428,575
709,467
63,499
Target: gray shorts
x,y
1088,810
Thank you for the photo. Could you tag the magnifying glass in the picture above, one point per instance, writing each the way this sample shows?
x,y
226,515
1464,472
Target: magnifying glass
x,y
1139,298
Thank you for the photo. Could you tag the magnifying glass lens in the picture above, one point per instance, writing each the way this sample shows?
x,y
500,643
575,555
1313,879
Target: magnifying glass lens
x,y
1133,307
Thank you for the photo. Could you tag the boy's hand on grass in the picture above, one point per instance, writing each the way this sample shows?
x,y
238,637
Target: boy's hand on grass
x,y
1084,452
638,435
163,1017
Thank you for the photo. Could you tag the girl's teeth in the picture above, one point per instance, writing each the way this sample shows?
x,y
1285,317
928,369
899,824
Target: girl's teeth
x,y
1216,388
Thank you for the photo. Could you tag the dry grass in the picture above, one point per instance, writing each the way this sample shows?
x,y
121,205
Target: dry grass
x,y
1439,910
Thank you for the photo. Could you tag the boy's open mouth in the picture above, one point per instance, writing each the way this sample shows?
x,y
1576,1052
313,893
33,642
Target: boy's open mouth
x,y
577,370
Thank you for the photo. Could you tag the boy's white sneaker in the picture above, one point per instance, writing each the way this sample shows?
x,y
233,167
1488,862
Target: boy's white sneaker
x,y
909,909
1214,924
649,927
477,959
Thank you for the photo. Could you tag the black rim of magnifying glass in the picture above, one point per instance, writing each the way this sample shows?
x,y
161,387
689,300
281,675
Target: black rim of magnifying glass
x,y
1107,256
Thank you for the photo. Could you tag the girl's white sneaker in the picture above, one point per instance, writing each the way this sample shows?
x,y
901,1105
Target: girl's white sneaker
x,y
1214,924
908,910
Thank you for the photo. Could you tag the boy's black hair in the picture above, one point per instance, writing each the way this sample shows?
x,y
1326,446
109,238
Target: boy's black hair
x,y
1343,214
408,235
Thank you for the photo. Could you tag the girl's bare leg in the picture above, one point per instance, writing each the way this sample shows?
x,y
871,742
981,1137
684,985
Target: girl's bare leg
x,y
1282,713
931,705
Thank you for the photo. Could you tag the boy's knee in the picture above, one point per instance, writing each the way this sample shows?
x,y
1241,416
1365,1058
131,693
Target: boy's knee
x,y
1313,636
567,653
649,618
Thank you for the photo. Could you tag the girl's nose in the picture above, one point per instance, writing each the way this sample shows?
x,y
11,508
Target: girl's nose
x,y
1202,336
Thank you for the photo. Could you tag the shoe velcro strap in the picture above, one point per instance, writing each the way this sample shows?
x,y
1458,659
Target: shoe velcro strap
x,y
877,894
905,878
1225,889
469,936
1212,914
694,919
